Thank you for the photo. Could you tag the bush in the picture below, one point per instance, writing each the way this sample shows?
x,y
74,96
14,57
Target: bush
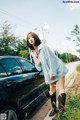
x,y
78,68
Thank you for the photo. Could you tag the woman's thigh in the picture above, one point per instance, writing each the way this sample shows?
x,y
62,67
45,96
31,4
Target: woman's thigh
x,y
52,87
61,85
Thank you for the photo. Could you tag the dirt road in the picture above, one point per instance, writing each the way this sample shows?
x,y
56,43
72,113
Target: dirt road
x,y
71,67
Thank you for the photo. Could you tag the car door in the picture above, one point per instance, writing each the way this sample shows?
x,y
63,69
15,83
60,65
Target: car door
x,y
37,88
18,82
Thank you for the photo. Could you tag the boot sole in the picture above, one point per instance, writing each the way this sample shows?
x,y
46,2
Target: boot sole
x,y
55,116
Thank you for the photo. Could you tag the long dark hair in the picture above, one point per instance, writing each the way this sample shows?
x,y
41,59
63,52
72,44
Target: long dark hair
x,y
36,38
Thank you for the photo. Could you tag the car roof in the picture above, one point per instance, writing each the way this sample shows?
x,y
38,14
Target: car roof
x,y
7,56
10,56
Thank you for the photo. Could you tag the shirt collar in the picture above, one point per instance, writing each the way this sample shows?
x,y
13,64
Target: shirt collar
x,y
39,48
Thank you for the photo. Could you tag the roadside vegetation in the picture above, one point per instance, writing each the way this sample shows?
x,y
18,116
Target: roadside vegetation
x,y
72,109
73,100
78,68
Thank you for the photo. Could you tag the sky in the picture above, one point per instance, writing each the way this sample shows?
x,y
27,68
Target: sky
x,y
52,20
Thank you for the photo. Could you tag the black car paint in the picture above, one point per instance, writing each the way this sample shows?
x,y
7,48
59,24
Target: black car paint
x,y
24,90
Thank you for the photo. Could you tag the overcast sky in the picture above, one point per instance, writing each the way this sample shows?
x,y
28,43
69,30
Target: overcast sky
x,y
57,17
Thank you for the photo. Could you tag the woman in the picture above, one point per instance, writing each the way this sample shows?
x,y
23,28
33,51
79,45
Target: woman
x,y
53,68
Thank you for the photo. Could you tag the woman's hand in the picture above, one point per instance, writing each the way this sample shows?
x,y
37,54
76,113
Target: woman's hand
x,y
52,77
38,61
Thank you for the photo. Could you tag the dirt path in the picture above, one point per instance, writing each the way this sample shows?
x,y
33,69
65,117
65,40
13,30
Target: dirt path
x,y
75,88
72,68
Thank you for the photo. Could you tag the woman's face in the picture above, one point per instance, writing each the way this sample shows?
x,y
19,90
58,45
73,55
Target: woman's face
x,y
31,40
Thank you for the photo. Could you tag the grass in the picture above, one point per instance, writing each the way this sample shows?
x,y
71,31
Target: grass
x,y
78,68
72,109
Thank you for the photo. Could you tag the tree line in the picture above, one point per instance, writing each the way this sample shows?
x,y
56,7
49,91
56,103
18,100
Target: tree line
x,y
12,45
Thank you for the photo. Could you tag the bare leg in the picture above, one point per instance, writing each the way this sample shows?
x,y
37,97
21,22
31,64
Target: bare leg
x,y
52,88
61,86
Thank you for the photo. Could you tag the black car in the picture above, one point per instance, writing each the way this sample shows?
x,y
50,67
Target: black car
x,y
22,87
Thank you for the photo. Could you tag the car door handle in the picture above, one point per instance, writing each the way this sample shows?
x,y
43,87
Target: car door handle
x,y
11,83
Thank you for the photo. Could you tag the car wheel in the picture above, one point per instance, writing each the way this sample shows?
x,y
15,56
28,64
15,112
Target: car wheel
x,y
10,113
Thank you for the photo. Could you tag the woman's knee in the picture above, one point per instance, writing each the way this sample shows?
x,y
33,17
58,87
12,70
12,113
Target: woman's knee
x,y
52,87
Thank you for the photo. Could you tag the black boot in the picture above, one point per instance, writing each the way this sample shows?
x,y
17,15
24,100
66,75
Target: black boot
x,y
53,103
61,102
48,95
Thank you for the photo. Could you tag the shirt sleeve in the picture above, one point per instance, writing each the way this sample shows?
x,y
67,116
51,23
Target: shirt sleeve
x,y
50,61
38,67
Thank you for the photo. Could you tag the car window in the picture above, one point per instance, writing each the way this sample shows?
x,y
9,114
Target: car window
x,y
2,72
11,66
27,66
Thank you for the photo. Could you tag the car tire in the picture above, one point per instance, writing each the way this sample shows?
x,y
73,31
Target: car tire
x,y
10,113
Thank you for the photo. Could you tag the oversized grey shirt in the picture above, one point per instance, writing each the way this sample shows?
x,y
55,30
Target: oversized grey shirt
x,y
51,65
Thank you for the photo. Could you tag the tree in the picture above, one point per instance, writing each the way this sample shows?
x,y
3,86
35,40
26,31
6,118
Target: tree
x,y
8,41
76,34
24,53
69,58
23,50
